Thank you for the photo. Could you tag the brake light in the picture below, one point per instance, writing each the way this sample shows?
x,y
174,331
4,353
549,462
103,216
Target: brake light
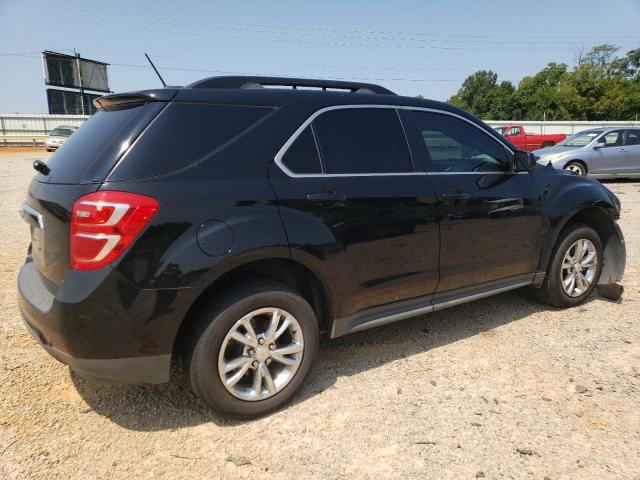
x,y
104,224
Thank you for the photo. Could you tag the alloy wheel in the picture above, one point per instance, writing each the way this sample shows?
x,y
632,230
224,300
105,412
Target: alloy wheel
x,y
261,354
579,267
575,168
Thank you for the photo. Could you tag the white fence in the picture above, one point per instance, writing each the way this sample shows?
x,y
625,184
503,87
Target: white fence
x,y
559,127
32,129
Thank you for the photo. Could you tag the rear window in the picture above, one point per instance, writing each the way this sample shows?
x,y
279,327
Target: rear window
x,y
363,140
302,156
183,134
86,147
61,132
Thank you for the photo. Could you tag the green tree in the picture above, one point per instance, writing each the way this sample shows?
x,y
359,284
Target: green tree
x,y
540,96
505,105
602,86
477,93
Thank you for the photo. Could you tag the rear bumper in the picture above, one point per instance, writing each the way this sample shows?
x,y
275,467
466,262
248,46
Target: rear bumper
x,y
152,369
102,326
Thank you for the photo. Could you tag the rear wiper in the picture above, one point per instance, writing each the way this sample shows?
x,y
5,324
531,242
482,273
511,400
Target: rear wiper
x,y
41,167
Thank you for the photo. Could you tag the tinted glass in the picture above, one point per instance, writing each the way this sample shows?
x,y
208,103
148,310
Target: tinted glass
x,y
183,134
633,137
514,131
457,146
363,140
302,155
613,139
85,146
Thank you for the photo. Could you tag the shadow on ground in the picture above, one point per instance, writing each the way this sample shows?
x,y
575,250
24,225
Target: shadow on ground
x,y
171,406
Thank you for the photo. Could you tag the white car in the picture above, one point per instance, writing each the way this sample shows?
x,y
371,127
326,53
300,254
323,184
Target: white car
x,y
58,136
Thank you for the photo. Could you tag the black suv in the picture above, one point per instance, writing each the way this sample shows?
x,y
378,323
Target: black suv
x,y
234,221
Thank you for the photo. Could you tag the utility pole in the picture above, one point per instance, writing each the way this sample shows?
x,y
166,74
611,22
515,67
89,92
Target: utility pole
x,y
80,81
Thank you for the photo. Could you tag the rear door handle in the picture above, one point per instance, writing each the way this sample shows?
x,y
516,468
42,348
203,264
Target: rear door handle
x,y
328,196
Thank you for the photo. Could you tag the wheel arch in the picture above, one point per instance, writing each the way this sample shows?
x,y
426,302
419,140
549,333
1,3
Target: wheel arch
x,y
281,269
601,218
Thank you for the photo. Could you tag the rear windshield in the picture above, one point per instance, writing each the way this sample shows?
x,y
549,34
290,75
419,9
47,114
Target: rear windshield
x,y
183,134
76,159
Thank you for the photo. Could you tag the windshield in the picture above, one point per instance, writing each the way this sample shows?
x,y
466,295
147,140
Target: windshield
x,y
581,139
61,132
500,130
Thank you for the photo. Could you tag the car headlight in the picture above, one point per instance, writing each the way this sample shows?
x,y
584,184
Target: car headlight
x,y
552,157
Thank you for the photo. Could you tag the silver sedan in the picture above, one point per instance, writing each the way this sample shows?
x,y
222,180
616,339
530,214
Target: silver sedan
x,y
599,153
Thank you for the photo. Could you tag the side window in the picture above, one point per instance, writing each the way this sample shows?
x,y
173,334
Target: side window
x,y
633,137
302,156
454,145
184,133
362,140
613,139
515,131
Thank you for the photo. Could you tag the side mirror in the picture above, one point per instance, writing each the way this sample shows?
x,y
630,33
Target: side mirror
x,y
524,161
599,145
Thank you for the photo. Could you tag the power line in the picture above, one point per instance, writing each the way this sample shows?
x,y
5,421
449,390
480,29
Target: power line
x,y
229,72
298,64
302,41
281,29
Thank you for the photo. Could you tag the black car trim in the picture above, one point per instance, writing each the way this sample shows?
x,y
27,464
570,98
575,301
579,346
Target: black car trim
x,y
147,369
278,157
382,315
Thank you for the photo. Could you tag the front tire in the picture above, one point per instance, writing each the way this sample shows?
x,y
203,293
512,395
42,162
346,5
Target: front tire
x,y
574,268
576,167
249,355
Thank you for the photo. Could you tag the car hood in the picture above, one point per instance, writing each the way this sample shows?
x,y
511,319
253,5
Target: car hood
x,y
541,152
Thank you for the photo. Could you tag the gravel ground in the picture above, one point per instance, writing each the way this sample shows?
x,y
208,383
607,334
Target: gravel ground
x,y
500,388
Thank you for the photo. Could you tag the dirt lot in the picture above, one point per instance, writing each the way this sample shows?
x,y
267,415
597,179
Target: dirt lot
x,y
502,386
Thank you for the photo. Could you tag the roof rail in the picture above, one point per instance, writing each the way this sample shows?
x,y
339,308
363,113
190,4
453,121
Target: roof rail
x,y
249,82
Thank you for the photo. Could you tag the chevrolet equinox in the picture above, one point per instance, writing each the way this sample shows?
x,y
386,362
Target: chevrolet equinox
x,y
232,222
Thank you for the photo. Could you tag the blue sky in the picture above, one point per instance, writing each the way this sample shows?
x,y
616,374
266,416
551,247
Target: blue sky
x,y
411,47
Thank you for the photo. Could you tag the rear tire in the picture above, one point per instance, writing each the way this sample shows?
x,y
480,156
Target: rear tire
x,y
576,167
578,252
213,348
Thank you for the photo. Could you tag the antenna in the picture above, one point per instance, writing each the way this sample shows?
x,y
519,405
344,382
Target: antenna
x,y
155,70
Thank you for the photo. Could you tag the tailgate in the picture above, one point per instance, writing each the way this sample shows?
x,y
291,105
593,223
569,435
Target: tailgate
x,y
48,212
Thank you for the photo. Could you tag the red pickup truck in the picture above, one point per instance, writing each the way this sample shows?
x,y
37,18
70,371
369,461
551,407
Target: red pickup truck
x,y
527,141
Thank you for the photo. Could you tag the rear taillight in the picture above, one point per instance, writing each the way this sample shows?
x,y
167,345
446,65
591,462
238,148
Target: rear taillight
x,y
103,225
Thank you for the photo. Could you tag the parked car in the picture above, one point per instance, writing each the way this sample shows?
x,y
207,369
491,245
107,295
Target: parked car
x,y
528,142
599,153
58,136
240,223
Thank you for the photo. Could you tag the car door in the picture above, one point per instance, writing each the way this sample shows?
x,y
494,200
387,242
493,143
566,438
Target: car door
x,y
632,151
356,209
610,158
490,223
516,136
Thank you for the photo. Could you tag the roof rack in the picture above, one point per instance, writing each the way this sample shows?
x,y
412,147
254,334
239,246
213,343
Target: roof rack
x,y
250,82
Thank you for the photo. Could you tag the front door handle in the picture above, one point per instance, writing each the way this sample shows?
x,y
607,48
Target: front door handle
x,y
327,196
